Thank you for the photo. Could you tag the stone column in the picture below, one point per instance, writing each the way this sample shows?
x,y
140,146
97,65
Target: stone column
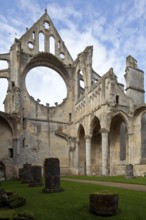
x,y
130,148
16,150
52,175
88,155
77,157
104,152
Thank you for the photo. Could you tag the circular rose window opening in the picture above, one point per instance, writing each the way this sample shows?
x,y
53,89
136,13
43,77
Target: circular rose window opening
x,y
46,85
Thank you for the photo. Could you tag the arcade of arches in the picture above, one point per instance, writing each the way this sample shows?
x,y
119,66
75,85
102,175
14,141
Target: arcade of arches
x,y
98,129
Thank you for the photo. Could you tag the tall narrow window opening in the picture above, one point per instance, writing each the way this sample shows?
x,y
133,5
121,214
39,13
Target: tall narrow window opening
x,y
143,136
52,45
41,42
117,99
123,140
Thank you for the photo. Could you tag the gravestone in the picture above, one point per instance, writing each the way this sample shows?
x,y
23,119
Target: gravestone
x,y
52,175
26,173
36,176
21,174
104,203
129,171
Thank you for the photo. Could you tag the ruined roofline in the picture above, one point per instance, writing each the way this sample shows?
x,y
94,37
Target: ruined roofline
x,y
30,39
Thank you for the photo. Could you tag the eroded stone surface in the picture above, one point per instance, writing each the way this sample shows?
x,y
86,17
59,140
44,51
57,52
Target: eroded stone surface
x,y
97,130
52,175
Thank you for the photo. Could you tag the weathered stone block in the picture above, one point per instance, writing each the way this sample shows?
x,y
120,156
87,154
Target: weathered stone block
x,y
104,203
129,171
26,173
52,175
36,176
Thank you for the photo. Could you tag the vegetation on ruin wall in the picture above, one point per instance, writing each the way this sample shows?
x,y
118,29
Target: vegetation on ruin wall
x,y
73,203
118,179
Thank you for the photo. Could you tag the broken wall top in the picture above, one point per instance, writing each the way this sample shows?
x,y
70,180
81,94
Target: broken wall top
x,y
44,27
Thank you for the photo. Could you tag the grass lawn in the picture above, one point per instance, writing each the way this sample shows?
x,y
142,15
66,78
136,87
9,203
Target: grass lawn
x,y
73,203
118,179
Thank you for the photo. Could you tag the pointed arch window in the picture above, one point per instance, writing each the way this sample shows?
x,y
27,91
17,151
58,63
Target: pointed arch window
x,y
123,140
52,45
81,84
143,136
41,42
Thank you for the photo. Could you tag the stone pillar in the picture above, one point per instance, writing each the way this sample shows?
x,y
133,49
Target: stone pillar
x,y
130,147
77,157
72,156
16,150
21,173
52,175
36,172
26,173
88,155
104,152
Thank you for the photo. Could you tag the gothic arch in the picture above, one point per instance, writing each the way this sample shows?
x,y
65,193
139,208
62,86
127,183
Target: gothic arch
x,y
143,136
48,60
118,139
82,150
6,137
139,131
94,123
2,171
79,76
138,111
96,149
120,114
9,121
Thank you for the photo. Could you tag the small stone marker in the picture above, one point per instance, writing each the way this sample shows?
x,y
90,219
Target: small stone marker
x,y
52,175
129,171
21,174
26,173
36,176
104,203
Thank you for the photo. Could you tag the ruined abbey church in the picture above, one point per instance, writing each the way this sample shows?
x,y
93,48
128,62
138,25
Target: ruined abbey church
x,y
98,129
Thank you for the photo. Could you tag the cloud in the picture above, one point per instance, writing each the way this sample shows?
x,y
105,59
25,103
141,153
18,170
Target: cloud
x,y
115,31
46,84
3,92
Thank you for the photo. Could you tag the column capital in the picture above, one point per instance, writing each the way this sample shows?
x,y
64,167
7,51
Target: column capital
x,y
104,130
88,136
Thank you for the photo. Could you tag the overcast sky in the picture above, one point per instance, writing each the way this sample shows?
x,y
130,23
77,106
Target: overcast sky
x,y
115,28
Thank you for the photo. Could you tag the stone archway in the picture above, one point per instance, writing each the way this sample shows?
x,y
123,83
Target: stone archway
x,y
6,137
118,145
2,171
96,150
82,151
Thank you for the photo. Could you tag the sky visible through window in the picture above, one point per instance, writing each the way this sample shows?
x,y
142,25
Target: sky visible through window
x,y
116,29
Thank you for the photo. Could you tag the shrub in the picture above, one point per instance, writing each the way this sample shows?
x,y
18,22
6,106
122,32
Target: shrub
x,y
15,201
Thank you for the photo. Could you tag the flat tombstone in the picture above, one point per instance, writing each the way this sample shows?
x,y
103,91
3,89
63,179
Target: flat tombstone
x,y
52,175
36,176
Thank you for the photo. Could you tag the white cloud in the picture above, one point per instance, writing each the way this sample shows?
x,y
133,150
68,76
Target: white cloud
x,y
113,35
46,84
3,91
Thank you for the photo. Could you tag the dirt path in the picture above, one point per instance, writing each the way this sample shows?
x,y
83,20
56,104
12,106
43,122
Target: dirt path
x,y
110,184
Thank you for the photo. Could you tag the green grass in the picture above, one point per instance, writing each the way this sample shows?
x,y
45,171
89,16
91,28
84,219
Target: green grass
x,y
118,179
73,203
